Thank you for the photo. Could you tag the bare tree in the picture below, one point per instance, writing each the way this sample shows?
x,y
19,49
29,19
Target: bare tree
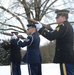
x,y
19,10
14,13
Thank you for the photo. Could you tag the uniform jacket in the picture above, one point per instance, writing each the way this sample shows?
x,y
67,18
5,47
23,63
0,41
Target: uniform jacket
x,y
33,54
64,42
15,54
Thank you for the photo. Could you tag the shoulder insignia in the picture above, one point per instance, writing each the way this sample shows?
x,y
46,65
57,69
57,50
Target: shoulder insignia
x,y
31,40
58,28
44,33
61,24
26,39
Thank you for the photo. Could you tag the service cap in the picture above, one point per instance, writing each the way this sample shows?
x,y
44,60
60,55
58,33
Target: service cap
x,y
63,12
31,25
15,32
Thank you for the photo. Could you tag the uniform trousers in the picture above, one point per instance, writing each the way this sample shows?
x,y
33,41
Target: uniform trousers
x,y
34,69
15,69
67,68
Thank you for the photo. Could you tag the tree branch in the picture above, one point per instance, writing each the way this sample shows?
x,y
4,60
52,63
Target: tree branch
x,y
44,10
11,26
11,29
13,15
26,8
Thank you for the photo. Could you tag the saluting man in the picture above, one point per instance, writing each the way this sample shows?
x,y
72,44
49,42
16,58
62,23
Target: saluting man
x,y
33,55
64,41
15,54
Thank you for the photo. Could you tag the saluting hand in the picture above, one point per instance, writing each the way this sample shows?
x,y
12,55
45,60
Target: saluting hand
x,y
13,36
38,26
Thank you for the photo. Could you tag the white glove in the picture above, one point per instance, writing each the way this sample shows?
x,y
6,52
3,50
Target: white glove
x,y
1,41
38,26
13,36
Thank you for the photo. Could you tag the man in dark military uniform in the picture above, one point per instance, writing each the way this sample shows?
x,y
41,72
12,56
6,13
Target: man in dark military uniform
x,y
33,55
64,41
15,54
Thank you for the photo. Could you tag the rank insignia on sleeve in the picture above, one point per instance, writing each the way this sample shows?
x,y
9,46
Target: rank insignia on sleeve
x,y
26,39
44,33
58,28
62,24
